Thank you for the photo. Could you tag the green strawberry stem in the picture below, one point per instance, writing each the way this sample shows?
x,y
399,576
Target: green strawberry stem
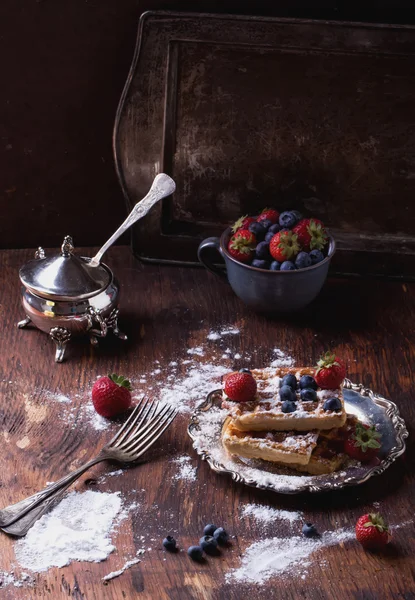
x,y
326,361
375,520
121,381
366,438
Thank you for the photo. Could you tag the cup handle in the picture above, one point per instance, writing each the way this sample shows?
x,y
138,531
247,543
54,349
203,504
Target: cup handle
x,y
208,243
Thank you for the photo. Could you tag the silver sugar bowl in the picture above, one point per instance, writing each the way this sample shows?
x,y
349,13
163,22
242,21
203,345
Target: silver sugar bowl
x,y
67,295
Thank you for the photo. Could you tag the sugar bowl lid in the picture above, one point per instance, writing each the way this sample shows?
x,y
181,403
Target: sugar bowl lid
x,y
64,276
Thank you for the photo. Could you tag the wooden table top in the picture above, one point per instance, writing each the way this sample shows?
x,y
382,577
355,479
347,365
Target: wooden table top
x,y
165,311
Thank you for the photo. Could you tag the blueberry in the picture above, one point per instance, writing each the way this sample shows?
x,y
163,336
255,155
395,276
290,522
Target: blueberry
x,y
221,536
169,543
266,223
274,228
309,530
333,404
287,219
260,264
209,544
275,266
316,256
289,380
287,393
195,553
210,526
262,251
297,215
288,407
306,381
302,260
210,529
308,395
287,265
257,230
269,236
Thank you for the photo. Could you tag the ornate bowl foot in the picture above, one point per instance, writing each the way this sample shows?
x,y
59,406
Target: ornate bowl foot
x,y
112,323
61,336
93,340
24,323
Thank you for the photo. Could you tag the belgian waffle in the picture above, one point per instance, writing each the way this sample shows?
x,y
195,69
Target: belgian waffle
x,y
278,446
265,414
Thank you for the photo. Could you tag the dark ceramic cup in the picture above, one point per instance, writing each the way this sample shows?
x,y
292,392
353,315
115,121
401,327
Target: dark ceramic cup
x,y
266,291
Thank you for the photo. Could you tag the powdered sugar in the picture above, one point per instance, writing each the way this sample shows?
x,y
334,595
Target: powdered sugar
x,y
78,528
282,359
281,556
127,565
266,514
186,470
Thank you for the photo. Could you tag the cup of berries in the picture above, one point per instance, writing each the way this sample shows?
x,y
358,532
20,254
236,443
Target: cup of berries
x,y
275,262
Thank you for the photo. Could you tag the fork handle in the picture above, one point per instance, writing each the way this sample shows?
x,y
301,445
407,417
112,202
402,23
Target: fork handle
x,y
13,513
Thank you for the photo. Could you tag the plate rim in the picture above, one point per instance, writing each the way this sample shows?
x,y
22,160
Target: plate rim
x,y
391,411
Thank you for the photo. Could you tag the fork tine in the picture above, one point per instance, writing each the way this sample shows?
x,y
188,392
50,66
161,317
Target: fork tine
x,y
141,445
130,421
144,431
156,434
136,425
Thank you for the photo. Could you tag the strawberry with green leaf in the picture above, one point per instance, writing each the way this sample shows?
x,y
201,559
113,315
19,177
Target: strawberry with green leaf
x,y
363,444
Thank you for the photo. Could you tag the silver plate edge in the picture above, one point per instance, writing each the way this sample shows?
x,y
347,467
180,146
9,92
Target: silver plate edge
x,y
391,410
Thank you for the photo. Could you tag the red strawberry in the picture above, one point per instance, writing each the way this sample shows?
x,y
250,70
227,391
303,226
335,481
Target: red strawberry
x,y
284,246
111,395
363,444
372,532
241,245
330,371
242,223
269,213
240,387
311,233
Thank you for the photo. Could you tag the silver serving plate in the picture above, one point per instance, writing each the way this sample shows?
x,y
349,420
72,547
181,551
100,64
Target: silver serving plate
x,y
368,406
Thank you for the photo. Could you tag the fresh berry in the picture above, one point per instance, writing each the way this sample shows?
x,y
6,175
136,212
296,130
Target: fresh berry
x,y
221,536
372,532
262,251
287,393
287,219
284,246
242,223
297,214
287,265
363,444
307,381
241,245
241,371
309,531
316,256
288,407
240,387
209,529
260,264
258,231
266,224
195,553
274,228
311,234
289,380
330,372
269,236
275,266
332,405
302,260
308,395
209,544
170,543
269,214
111,396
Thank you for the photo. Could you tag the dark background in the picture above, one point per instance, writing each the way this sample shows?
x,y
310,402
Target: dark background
x,y
63,64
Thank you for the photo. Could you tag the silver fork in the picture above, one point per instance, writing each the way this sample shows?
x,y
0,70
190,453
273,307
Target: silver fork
x,y
144,426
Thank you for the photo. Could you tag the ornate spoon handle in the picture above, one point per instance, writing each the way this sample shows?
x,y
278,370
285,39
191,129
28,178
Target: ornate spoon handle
x,y
162,186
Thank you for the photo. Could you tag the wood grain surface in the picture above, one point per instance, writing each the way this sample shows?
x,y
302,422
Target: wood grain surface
x,y
166,310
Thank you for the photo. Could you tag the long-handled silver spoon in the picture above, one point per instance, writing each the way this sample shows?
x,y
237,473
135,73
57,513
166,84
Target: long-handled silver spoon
x,y
162,186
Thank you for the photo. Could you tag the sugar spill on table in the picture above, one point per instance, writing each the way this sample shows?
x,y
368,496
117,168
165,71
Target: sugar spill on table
x,y
79,528
127,565
186,471
267,514
282,556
